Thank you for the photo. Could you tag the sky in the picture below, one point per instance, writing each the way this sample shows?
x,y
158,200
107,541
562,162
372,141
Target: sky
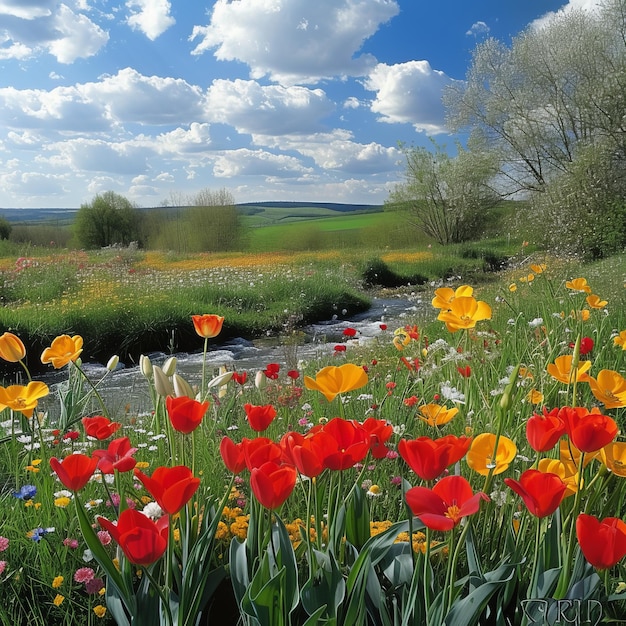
x,y
300,100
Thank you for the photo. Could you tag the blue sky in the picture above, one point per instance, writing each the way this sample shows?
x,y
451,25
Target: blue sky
x,y
301,100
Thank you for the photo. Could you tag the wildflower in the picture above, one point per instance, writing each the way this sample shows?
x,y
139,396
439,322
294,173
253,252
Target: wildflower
x,y
446,504
23,398
293,374
37,534
271,371
349,332
4,544
465,372
100,427
340,348
578,284
561,369
99,610
171,487
207,326
12,348
374,491
463,313
75,470
512,287
117,457
142,540
84,575
401,339
332,380
240,378
63,350
542,492
58,600
534,396
57,582
27,492
34,466
272,483
68,542
62,502
411,401
483,458
595,302
603,542
609,388
620,340
104,537
259,417
3,566
538,268
614,457
185,413
445,295
436,414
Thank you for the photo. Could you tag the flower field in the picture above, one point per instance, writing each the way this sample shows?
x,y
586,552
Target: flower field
x,y
468,469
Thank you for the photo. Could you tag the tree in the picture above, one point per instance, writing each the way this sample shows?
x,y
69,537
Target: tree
x,y
107,220
5,227
448,198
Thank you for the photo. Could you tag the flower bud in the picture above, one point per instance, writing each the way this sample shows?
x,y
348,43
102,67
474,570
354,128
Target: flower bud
x,y
182,387
145,365
162,383
260,380
169,367
222,379
113,362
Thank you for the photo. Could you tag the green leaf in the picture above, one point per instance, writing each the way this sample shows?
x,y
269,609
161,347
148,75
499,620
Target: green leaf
x,y
285,558
238,562
326,587
357,518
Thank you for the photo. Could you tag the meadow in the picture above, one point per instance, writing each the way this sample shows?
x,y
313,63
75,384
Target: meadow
x,y
456,469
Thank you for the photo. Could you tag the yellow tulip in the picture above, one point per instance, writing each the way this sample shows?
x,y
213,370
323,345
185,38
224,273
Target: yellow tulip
x,y
464,312
63,350
561,369
333,380
23,399
610,388
480,457
12,348
436,415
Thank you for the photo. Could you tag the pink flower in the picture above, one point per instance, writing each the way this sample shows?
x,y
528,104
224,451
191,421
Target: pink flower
x,y
3,565
70,543
4,544
104,537
94,585
84,575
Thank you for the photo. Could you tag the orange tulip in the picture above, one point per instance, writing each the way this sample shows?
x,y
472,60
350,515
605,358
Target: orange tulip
x,y
63,350
480,457
620,340
610,388
12,348
333,380
595,302
207,326
567,471
23,399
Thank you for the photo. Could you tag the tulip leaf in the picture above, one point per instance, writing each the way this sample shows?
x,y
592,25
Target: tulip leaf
x,y
357,518
239,575
325,587
283,553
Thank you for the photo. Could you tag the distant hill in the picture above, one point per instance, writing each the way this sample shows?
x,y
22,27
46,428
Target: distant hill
x,y
65,216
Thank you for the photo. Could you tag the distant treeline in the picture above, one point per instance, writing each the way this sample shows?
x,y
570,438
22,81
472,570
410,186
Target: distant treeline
x,y
333,206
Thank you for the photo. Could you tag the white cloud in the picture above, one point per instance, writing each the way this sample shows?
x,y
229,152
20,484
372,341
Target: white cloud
x,y
30,28
409,93
478,28
151,17
271,110
351,103
571,5
294,41
257,163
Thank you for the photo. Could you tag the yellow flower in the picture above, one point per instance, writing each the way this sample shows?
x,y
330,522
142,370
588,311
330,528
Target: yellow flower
x,y
445,295
63,350
594,301
567,471
58,600
613,457
436,415
534,396
620,340
62,502
578,284
401,338
12,348
464,312
333,380
34,466
610,388
480,456
527,279
538,269
562,366
99,610
512,287
142,465
568,453
23,399
57,582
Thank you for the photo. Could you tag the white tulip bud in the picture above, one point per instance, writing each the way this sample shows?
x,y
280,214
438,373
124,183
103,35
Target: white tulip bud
x,y
162,383
113,362
182,387
145,365
260,380
169,367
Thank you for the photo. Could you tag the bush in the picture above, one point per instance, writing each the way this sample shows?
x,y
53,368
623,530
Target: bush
x,y
377,273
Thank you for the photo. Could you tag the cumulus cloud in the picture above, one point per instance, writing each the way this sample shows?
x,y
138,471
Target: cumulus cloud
x,y
477,29
257,163
30,28
151,17
571,5
271,110
409,93
294,41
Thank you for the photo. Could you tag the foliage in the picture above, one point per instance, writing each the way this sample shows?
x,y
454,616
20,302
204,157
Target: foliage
x,y
448,198
377,272
109,219
5,228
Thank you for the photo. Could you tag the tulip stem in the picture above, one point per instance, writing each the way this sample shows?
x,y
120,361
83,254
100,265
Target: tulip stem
x,y
163,598
204,351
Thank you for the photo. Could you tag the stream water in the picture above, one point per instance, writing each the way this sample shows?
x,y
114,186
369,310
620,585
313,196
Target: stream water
x,y
126,391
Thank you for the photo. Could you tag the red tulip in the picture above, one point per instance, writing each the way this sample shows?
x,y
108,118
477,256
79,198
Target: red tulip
x,y
272,483
185,413
542,492
232,455
142,540
428,458
466,371
259,417
271,371
588,430
260,450
100,427
118,456
602,542
171,487
348,444
349,332
443,506
75,470
306,452
380,431
543,431
240,378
